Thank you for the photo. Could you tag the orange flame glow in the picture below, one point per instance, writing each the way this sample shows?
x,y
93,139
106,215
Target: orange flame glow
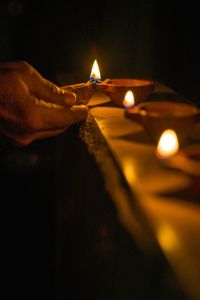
x,y
95,73
168,144
129,99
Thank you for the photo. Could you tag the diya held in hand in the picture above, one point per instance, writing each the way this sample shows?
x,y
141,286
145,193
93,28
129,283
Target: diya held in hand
x,y
85,91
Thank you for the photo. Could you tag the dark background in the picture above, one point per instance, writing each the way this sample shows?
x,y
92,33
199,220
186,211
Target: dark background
x,y
137,38
49,227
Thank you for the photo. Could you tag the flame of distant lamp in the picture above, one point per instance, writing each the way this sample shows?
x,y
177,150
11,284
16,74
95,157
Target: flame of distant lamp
x,y
95,73
129,100
168,144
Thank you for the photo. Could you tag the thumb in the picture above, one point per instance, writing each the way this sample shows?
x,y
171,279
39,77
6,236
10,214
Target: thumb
x,y
78,113
50,92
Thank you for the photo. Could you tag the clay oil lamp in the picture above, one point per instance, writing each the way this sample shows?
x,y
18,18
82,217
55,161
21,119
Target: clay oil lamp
x,y
116,89
157,116
85,91
168,144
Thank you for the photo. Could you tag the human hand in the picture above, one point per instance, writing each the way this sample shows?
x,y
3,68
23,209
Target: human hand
x,y
31,107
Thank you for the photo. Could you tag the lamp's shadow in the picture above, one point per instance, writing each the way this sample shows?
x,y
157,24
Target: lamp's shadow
x,y
140,137
167,96
186,195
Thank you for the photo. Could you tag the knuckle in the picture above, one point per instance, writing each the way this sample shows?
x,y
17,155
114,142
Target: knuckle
x,y
23,141
54,89
24,67
51,91
22,64
19,140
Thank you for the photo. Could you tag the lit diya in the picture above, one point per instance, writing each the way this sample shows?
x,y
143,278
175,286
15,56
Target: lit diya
x,y
157,116
85,91
116,89
168,144
186,159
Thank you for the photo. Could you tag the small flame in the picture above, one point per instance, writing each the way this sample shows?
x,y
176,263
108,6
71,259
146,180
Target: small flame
x,y
95,73
129,99
168,144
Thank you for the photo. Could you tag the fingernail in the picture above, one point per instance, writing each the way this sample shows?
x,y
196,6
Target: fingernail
x,y
84,107
81,107
70,98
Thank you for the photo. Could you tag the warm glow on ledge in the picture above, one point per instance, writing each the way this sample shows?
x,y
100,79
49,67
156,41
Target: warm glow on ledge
x,y
168,238
95,73
129,99
168,144
129,170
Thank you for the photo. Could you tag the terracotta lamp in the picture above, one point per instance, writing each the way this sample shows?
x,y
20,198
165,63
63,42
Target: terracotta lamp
x,y
157,116
83,91
114,88
117,88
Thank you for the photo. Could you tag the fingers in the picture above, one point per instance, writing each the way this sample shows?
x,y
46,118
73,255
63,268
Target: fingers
x,y
38,85
35,108
43,122
53,122
50,92
15,139
14,65
78,113
7,65
47,116
41,135
57,118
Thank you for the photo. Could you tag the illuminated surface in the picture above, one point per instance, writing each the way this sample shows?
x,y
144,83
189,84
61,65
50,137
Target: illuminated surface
x,y
164,195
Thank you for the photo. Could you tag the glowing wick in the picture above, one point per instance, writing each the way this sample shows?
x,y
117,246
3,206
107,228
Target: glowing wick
x,y
129,100
168,144
95,75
